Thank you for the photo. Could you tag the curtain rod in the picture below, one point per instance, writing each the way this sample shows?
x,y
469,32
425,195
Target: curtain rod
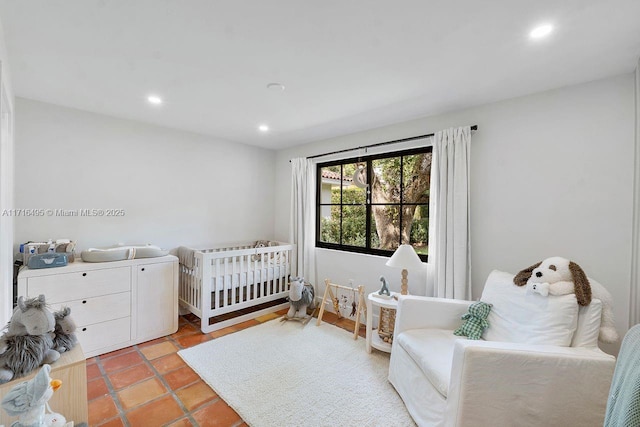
x,y
395,141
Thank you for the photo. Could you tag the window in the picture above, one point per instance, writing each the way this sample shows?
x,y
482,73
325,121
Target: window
x,y
373,204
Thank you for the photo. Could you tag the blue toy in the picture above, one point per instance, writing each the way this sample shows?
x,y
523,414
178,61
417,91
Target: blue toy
x,y
384,290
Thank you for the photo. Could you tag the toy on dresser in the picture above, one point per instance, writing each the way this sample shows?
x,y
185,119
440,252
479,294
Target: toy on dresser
x,y
28,341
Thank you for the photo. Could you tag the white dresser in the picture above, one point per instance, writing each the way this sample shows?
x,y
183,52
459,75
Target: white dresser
x,y
114,304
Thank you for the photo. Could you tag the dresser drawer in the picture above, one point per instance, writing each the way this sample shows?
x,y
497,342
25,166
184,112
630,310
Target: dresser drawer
x,y
98,309
105,334
82,284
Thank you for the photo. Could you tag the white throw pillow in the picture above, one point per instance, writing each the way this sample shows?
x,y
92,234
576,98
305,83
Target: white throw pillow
x,y
588,325
528,318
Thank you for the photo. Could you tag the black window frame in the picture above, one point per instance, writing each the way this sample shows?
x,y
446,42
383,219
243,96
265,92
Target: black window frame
x,y
368,161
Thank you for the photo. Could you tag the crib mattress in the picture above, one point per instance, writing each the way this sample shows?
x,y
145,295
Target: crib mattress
x,y
249,276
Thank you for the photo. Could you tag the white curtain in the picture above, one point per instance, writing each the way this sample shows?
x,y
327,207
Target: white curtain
x,y
302,232
449,248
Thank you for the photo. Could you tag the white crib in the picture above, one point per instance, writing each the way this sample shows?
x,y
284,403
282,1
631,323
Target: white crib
x,y
228,285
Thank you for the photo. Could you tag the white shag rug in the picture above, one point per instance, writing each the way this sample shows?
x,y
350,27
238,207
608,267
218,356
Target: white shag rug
x,y
286,374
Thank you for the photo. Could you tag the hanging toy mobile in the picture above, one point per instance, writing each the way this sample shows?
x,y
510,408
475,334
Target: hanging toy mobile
x,y
360,176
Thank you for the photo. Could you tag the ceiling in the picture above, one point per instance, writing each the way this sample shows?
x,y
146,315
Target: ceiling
x,y
346,65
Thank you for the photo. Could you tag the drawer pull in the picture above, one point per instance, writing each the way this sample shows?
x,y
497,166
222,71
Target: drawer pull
x,y
84,302
142,268
84,329
84,274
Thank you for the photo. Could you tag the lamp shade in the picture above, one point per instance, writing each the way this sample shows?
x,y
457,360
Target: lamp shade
x,y
405,257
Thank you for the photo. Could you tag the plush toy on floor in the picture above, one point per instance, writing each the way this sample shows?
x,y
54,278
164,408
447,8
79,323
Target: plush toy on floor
x,y
65,338
561,277
28,401
301,297
28,342
475,321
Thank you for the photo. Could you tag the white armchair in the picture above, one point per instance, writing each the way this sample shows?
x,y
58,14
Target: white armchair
x,y
445,380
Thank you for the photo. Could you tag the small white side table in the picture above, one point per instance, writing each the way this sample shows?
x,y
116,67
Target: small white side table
x,y
373,339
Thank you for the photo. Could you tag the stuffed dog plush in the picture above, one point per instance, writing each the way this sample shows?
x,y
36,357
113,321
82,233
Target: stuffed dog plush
x,y
565,277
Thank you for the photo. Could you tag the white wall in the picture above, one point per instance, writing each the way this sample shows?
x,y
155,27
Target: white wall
x,y
551,174
176,188
6,184
4,61
634,295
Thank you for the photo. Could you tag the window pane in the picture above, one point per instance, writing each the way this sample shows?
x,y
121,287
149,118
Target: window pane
x,y
419,235
416,177
354,225
386,183
330,185
353,194
385,227
330,224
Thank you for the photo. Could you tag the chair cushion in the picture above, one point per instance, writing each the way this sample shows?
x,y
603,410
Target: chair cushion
x,y
528,318
588,328
432,350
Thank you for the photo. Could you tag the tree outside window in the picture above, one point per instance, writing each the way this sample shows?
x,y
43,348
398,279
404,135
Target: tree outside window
x,y
374,204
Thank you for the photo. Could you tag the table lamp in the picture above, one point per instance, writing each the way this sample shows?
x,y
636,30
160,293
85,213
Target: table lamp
x,y
405,257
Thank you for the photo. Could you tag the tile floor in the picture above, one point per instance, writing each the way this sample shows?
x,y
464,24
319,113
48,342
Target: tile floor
x,y
149,385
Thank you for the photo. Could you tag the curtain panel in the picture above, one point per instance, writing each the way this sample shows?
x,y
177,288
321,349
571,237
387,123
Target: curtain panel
x,y
302,231
449,246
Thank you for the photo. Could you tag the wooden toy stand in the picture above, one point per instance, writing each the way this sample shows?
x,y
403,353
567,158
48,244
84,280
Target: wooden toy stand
x,y
361,307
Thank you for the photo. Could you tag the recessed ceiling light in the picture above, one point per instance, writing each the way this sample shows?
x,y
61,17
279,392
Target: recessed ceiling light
x,y
541,31
263,128
154,99
276,87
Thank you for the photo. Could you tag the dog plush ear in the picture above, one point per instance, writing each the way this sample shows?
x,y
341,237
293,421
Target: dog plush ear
x,y
522,277
581,284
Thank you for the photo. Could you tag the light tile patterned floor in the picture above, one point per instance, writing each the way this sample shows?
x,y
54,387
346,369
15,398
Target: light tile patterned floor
x,y
149,385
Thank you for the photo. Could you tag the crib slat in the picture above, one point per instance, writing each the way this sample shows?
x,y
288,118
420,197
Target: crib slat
x,y
197,283
281,276
275,274
216,289
262,276
226,281
234,263
254,290
243,275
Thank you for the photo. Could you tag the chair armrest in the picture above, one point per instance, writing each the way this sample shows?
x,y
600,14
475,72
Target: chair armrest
x,y
549,385
415,312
